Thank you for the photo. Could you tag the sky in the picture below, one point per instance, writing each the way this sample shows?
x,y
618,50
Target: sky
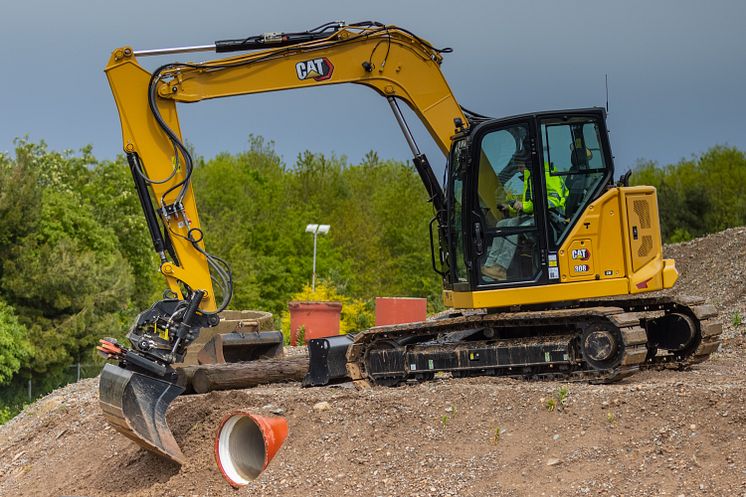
x,y
676,72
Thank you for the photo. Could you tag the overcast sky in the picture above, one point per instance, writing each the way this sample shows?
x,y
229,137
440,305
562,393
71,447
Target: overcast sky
x,y
676,69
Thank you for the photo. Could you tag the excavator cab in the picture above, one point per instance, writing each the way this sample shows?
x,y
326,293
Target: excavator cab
x,y
551,166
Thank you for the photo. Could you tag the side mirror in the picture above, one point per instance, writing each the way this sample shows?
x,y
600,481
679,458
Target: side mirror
x,y
624,179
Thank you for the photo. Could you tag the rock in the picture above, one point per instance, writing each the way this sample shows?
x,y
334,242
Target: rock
x,y
553,462
322,406
274,409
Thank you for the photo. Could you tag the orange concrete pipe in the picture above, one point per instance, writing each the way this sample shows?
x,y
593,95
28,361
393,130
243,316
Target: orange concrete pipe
x,y
400,310
318,319
245,444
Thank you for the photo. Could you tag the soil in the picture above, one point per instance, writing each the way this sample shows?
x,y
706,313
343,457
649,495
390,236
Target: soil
x,y
656,433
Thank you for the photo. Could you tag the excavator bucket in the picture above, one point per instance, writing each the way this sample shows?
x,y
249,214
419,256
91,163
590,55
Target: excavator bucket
x,y
241,347
135,405
239,337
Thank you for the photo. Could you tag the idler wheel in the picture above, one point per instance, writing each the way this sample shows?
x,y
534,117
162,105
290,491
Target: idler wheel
x,y
675,333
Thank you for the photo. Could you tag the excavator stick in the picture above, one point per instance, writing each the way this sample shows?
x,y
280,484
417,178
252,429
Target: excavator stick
x,y
135,404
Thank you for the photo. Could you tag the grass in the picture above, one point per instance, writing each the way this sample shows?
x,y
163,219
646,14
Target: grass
x,y
736,319
451,410
496,436
558,400
610,417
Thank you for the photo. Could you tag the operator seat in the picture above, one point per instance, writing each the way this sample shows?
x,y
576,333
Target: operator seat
x,y
578,181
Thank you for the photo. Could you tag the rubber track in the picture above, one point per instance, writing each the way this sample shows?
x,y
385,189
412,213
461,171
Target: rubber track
x,y
705,315
624,313
627,324
709,333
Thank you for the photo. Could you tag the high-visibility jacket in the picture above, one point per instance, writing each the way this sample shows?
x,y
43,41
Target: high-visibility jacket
x,y
556,191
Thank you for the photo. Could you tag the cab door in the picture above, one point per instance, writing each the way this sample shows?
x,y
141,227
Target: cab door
x,y
503,217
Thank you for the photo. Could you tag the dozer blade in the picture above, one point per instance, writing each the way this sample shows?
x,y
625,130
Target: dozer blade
x,y
135,405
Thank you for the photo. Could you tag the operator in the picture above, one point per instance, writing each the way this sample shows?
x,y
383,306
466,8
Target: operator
x,y
519,212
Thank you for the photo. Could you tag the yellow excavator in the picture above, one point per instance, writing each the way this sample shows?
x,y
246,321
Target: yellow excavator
x,y
544,257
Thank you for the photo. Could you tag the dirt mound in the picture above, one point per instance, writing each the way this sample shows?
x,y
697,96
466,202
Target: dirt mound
x,y
713,267
659,432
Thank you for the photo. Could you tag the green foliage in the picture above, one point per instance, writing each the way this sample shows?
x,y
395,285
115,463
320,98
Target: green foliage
x,y
445,418
497,434
68,281
15,349
63,272
20,201
558,400
6,414
255,211
699,195
114,203
384,222
736,319
562,395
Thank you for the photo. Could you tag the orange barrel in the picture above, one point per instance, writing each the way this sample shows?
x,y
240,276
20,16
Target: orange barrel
x,y
318,319
398,310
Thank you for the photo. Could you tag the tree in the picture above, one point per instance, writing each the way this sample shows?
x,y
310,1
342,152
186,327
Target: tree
x,y
20,202
15,348
112,195
383,220
62,269
68,282
699,195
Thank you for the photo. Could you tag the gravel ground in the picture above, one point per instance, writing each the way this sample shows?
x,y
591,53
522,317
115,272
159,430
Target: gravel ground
x,y
656,433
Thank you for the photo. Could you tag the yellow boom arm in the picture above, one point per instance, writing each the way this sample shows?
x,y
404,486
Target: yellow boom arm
x,y
390,60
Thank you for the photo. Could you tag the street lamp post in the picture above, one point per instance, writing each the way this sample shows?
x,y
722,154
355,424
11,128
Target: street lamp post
x,y
316,229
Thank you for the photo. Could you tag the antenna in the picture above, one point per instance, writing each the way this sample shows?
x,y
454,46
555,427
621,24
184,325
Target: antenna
x,y
606,76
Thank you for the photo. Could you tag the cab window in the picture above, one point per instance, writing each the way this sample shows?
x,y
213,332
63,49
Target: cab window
x,y
573,151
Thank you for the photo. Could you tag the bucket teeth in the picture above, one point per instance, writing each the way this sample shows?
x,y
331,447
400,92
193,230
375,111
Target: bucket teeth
x,y
135,405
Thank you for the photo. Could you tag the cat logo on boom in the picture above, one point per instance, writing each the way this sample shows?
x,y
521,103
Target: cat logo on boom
x,y
316,69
